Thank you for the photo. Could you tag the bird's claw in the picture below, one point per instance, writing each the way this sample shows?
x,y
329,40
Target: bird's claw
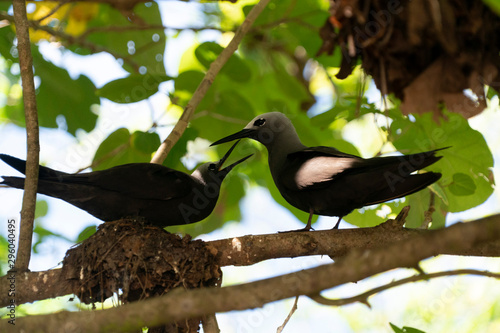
x,y
306,228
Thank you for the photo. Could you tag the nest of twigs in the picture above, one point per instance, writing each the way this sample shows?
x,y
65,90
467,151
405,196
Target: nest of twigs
x,y
136,261
424,52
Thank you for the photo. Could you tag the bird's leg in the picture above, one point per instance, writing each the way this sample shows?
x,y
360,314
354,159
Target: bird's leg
x,y
337,224
308,225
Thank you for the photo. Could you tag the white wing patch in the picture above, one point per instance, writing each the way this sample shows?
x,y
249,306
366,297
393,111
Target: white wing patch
x,y
321,169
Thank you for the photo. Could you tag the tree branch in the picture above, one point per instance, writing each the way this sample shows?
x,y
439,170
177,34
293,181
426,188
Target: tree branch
x,y
363,298
248,250
205,84
180,304
33,144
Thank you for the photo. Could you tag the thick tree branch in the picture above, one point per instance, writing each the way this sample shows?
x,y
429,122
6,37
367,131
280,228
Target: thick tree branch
x,y
33,144
180,304
248,250
363,297
205,84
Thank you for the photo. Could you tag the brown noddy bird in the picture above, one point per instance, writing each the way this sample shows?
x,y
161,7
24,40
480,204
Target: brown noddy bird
x,y
325,181
159,195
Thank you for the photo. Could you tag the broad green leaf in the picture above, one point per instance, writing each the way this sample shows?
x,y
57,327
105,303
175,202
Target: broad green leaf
x,y
144,142
133,88
134,46
228,112
235,68
185,85
121,147
58,94
471,157
462,185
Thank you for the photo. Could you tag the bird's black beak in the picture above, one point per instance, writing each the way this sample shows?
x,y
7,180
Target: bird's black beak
x,y
224,158
244,133
230,167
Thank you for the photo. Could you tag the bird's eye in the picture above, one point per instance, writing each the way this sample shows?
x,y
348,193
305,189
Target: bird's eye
x,y
212,167
259,122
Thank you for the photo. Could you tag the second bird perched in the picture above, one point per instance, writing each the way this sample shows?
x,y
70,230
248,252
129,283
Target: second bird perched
x,y
325,181
160,195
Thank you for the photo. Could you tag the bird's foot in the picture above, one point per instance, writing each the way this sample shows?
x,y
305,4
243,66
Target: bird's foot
x,y
306,228
336,227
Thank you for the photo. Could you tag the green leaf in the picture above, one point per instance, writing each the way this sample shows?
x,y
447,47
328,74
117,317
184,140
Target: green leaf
x,y
494,5
462,185
58,94
141,47
7,36
235,68
491,93
121,147
471,157
405,329
133,88
86,233
42,208
374,215
228,112
144,142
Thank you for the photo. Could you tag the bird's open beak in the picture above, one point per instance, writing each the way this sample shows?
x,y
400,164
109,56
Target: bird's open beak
x,y
224,158
244,133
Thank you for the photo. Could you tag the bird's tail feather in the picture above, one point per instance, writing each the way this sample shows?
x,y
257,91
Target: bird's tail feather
x,y
400,187
16,182
20,165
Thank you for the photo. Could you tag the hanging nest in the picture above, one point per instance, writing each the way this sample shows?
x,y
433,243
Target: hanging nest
x,y
424,52
134,262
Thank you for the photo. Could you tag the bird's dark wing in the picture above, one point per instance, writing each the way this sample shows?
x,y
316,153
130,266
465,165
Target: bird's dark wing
x,y
314,167
317,167
137,180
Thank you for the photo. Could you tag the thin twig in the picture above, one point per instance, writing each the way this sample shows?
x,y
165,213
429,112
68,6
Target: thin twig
x,y
292,311
33,144
363,298
210,324
205,84
94,48
52,12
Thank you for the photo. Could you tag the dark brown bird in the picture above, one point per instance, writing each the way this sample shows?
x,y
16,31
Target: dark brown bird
x,y
325,181
159,195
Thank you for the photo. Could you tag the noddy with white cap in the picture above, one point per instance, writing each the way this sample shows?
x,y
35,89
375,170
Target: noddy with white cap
x,y
325,181
154,193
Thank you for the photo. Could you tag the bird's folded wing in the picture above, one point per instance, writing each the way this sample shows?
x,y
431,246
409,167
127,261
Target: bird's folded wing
x,y
137,180
315,167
